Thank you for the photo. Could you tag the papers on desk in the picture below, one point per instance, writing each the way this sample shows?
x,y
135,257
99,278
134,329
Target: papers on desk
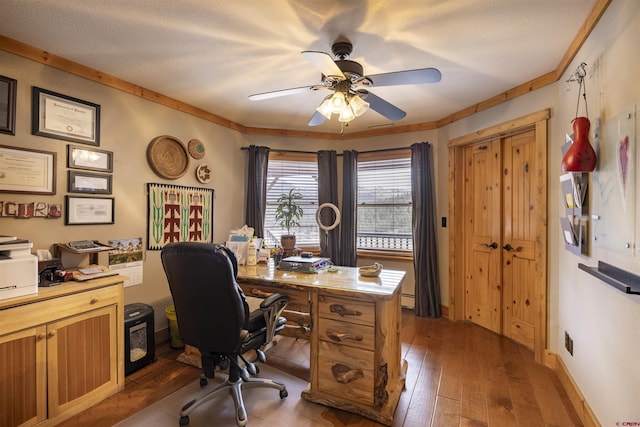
x,y
92,272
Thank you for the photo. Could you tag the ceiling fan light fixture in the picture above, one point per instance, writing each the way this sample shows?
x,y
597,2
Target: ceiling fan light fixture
x,y
358,105
347,114
338,102
325,108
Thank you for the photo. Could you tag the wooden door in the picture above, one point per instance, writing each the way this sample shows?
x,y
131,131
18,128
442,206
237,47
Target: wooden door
x,y
523,229
519,237
483,294
501,231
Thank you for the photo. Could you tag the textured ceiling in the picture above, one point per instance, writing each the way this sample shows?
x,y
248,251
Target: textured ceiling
x,y
213,54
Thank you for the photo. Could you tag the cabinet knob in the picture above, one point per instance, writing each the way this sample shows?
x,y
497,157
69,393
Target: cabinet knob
x,y
40,337
343,311
51,334
93,301
339,336
344,374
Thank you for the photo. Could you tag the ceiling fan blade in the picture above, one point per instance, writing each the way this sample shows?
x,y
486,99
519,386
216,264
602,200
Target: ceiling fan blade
x,y
317,119
283,92
383,107
409,77
323,63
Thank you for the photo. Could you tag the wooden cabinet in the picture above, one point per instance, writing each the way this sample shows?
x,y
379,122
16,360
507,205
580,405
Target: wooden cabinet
x,y
61,351
355,356
355,350
346,348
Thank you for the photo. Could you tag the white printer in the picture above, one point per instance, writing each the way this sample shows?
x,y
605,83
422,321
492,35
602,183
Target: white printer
x,y
18,269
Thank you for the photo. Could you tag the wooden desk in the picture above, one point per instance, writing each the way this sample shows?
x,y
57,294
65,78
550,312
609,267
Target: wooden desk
x,y
355,360
61,350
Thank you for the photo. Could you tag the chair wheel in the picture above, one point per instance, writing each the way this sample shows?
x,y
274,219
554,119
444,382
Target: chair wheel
x,y
184,420
203,382
283,394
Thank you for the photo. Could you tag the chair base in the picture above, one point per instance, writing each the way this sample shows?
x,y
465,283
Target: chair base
x,y
235,389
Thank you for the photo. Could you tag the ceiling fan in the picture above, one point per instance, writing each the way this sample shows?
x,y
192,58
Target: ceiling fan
x,y
351,96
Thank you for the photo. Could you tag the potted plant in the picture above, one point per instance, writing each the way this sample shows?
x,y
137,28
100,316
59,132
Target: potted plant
x,y
288,215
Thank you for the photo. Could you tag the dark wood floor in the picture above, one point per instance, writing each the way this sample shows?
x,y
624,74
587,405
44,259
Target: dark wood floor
x,y
459,375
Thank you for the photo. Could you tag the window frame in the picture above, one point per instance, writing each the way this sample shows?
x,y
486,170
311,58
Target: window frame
x,y
296,157
377,253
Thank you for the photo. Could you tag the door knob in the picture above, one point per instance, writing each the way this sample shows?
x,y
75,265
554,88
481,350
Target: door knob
x,y
507,247
493,245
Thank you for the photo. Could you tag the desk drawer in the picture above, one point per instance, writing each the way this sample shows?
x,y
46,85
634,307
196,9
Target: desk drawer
x,y
346,371
345,333
346,310
296,297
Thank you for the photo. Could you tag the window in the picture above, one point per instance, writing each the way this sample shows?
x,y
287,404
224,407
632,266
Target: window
x,y
384,202
288,170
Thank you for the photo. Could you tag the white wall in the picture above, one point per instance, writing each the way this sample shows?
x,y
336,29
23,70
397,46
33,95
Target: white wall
x,y
603,322
128,124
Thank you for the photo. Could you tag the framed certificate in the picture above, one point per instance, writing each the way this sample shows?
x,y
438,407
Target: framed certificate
x,y
27,171
85,182
89,210
7,105
62,117
89,159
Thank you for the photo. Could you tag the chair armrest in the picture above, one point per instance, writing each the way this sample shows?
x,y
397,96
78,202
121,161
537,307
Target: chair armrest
x,y
272,299
272,308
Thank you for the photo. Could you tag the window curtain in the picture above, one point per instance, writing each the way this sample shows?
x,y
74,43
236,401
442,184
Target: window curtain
x,y
328,193
425,253
347,249
256,203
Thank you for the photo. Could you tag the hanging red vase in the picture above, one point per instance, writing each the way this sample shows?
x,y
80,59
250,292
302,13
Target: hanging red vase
x,y
581,157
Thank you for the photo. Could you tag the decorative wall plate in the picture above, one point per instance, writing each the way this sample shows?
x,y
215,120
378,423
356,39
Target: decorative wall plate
x,y
168,157
196,149
204,173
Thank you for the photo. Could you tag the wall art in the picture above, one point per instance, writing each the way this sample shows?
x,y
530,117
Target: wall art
x,y
178,214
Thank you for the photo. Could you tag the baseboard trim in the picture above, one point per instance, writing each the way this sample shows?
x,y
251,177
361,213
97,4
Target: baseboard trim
x,y
580,404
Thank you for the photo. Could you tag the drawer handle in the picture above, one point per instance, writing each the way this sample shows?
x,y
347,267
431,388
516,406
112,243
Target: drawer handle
x,y
344,374
338,336
343,311
260,293
93,301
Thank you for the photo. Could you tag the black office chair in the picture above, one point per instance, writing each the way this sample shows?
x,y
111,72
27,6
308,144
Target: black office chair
x,y
213,315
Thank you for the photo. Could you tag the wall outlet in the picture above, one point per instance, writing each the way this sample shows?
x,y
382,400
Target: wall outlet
x,y
568,342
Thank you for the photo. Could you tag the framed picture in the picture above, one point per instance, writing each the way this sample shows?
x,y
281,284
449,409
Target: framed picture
x,y
85,182
7,105
82,210
27,171
62,117
89,159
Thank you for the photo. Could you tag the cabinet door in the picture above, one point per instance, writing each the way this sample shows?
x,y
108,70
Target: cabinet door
x,y
23,377
82,360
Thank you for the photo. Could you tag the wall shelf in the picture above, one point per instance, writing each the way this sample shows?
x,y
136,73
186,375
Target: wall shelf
x,y
620,279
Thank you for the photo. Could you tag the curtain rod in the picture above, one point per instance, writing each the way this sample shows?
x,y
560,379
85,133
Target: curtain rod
x,y
338,154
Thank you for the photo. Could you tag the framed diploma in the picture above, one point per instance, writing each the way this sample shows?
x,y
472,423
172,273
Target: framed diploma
x,y
89,159
62,117
27,171
85,182
7,105
89,210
